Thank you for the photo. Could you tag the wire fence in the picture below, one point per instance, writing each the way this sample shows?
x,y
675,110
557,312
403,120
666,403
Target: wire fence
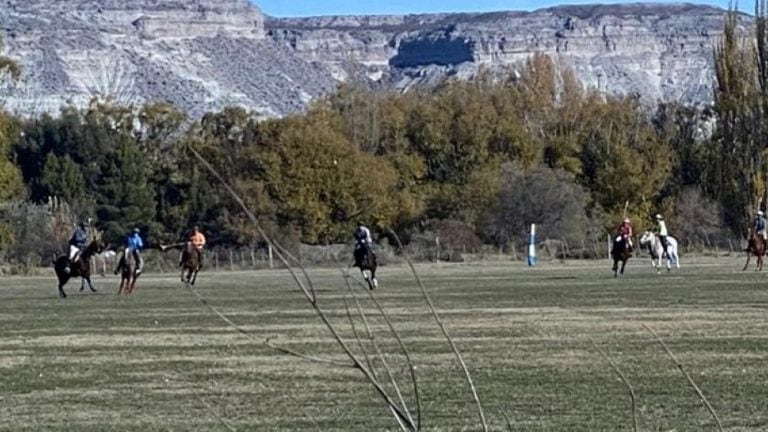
x,y
333,255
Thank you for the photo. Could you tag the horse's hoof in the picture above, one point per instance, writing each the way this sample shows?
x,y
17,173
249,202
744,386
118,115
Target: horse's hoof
x,y
62,294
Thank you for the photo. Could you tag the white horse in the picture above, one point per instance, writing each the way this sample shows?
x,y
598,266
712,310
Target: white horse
x,y
652,242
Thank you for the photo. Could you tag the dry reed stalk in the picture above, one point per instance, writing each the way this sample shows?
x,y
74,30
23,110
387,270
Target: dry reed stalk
x,y
624,380
309,293
440,324
381,358
688,377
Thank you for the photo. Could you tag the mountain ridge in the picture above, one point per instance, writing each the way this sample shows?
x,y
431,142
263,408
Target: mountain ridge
x,y
202,55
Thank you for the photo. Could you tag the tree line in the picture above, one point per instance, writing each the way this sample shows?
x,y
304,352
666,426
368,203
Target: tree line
x,y
471,162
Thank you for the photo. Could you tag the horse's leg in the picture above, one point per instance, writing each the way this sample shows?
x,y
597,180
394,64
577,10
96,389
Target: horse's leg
x,y
615,268
759,263
749,256
90,284
62,294
181,276
374,282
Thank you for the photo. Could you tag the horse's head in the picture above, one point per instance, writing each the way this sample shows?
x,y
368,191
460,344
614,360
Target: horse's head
x,y
646,238
95,247
749,232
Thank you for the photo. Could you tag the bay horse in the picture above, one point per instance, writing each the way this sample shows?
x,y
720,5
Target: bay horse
x,y
365,260
620,254
129,272
191,262
756,246
652,242
81,268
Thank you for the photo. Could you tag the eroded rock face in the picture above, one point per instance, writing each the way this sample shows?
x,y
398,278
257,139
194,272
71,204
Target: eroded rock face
x,y
203,55
200,55
660,52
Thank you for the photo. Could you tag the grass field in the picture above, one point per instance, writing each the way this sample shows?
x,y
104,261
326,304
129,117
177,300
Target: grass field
x,y
161,361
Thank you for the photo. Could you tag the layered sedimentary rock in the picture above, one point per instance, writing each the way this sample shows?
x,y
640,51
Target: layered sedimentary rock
x,y
660,52
203,55
200,55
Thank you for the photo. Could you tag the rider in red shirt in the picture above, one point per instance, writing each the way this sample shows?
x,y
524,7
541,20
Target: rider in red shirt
x,y
625,231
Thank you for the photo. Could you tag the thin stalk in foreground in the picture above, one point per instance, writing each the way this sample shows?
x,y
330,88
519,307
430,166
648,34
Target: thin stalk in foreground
x,y
445,333
624,380
688,377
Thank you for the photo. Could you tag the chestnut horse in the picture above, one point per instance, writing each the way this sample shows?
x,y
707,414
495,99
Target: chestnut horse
x,y
755,246
129,272
191,262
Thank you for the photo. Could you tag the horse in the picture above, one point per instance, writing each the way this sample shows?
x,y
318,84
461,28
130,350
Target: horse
x,y
129,272
191,262
756,246
81,268
619,253
652,242
365,260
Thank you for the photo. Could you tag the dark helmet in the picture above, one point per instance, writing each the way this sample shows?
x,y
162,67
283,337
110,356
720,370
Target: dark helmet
x,y
360,223
196,228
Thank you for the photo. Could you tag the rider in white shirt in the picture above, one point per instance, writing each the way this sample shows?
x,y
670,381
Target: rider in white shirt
x,y
363,237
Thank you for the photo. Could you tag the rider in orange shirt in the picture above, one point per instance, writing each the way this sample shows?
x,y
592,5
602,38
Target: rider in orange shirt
x,y
198,241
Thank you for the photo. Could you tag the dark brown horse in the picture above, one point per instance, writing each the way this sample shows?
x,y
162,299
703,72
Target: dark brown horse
x,y
365,260
129,272
620,254
756,246
81,268
191,262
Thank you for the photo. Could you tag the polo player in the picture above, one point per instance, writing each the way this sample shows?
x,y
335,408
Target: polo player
x,y
197,239
662,232
76,245
363,238
760,225
625,232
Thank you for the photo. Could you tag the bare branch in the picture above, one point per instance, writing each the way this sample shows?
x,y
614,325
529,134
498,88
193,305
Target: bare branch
x,y
624,380
267,342
309,294
688,377
445,333
368,360
378,349
506,418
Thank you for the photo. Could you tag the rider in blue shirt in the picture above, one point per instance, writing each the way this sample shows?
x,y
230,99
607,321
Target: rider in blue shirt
x,y
760,225
77,244
134,245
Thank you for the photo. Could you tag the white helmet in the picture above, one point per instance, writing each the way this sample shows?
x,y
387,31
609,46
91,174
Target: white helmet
x,y
659,217
760,213
626,220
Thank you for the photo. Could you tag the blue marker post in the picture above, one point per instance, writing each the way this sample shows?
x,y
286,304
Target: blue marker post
x,y
532,247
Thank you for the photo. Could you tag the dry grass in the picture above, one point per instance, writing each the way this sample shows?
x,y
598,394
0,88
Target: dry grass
x,y
160,361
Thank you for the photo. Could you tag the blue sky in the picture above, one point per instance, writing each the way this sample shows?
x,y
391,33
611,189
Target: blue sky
x,y
283,8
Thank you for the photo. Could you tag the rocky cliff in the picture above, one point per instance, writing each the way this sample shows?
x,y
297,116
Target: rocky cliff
x,y
205,54
658,51
198,54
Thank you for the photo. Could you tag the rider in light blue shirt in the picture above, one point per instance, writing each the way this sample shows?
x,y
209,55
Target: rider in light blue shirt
x,y
134,245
